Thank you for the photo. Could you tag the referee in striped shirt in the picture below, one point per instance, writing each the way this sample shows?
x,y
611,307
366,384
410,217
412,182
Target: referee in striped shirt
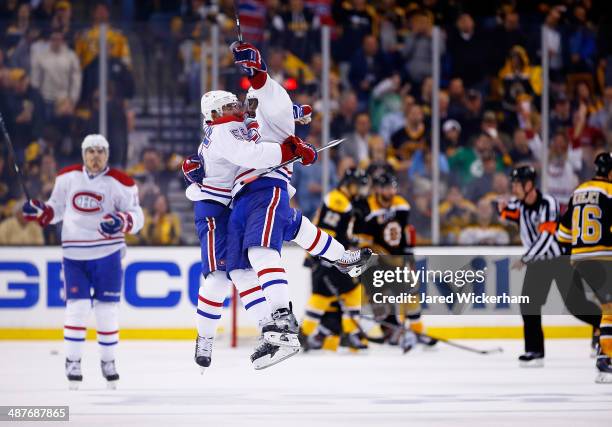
x,y
537,216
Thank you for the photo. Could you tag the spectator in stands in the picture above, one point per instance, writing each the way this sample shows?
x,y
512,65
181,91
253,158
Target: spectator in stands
x,y
18,28
342,123
561,114
369,65
152,176
56,73
25,109
15,230
483,184
29,44
161,226
41,184
307,182
377,153
467,162
62,21
518,77
417,50
451,137
356,145
520,151
554,41
43,13
505,36
602,119
584,138
394,121
8,189
484,231
420,214
299,27
455,214
466,47
407,140
584,96
582,43
560,172
87,49
356,20
472,115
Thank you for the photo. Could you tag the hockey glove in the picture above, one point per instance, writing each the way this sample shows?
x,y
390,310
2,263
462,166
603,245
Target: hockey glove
x,y
115,223
35,210
302,113
193,169
295,147
248,58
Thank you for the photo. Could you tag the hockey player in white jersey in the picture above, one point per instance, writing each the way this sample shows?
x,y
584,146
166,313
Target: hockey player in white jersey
x,y
97,205
262,219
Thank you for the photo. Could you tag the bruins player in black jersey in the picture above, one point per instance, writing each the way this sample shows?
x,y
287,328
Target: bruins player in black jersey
x,y
587,225
385,228
335,293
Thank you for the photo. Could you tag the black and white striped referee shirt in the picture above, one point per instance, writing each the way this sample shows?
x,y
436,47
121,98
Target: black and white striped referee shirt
x,y
538,224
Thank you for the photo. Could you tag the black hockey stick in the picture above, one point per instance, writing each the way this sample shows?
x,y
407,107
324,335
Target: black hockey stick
x,y
9,143
237,18
288,162
444,340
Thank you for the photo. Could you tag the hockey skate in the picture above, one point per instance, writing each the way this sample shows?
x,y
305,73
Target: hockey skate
x,y
354,263
595,342
531,359
407,340
266,354
604,366
355,342
109,371
427,341
73,373
203,352
282,330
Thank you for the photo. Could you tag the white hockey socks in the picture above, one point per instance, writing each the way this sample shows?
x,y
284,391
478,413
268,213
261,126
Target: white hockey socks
x,y
251,295
317,242
75,321
212,293
107,325
271,276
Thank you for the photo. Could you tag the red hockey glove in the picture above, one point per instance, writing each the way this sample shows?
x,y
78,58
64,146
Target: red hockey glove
x,y
295,147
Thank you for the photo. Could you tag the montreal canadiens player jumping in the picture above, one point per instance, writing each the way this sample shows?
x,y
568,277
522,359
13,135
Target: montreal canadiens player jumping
x,y
97,205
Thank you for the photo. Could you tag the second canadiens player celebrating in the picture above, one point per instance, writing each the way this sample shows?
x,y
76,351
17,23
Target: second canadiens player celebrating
x,y
97,205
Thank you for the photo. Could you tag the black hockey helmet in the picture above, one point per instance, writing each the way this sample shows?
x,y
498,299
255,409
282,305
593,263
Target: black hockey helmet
x,y
603,164
354,176
384,179
523,174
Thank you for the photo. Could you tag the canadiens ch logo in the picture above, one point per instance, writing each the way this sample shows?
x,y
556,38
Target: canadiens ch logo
x,y
87,202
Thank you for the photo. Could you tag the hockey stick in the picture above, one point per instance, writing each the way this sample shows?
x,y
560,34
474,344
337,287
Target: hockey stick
x,y
237,18
9,143
444,340
288,162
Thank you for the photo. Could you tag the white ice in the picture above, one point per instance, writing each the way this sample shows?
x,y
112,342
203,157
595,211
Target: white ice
x,y
161,386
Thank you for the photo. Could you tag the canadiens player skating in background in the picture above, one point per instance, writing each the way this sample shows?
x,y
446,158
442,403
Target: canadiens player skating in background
x,y
97,205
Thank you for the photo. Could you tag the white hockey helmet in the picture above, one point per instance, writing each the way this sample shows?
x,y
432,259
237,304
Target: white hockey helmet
x,y
214,101
251,102
94,141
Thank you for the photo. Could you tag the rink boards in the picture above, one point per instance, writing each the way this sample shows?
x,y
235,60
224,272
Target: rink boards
x,y
160,294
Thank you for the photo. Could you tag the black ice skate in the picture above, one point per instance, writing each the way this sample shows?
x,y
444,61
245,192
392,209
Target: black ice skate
x,y
282,330
266,354
427,341
203,352
109,371
312,342
531,359
604,366
354,263
73,373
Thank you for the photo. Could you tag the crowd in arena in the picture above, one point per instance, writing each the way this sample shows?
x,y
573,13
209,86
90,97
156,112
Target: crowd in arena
x,y
381,89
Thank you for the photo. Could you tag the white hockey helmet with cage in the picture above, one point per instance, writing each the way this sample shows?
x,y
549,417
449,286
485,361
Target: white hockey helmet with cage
x,y
214,101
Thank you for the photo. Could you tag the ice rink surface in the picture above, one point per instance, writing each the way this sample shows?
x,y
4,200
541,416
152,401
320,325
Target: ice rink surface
x,y
161,386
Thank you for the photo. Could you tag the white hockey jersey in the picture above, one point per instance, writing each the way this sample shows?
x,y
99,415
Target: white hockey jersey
x,y
274,115
81,202
227,148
